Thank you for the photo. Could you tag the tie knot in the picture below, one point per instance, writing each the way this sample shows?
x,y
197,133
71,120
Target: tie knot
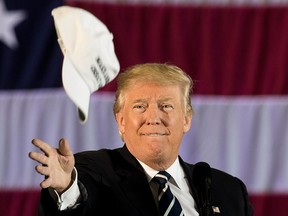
x,y
162,178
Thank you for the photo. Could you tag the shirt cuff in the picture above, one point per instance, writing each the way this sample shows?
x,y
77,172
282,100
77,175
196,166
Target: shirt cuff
x,y
70,198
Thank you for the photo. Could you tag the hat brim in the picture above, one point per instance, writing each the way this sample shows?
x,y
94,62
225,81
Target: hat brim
x,y
76,88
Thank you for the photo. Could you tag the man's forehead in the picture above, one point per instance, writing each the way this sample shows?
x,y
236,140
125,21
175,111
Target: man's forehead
x,y
152,91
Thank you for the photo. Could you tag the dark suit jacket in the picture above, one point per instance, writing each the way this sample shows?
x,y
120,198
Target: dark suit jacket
x,y
117,185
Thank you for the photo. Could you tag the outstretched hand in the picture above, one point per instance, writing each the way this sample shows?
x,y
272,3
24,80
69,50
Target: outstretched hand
x,y
56,164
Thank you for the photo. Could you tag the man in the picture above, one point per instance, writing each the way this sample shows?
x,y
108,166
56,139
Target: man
x,y
153,112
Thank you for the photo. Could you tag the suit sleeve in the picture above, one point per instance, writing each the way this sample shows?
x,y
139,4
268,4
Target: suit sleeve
x,y
249,211
48,207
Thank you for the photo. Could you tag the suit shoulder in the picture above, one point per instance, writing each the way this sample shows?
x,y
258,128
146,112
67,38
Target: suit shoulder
x,y
222,175
96,156
226,181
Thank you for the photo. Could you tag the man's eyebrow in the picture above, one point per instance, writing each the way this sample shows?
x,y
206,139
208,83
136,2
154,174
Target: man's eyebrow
x,y
139,100
166,99
161,100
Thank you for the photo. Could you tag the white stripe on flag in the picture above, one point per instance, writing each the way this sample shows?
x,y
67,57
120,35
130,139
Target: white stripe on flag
x,y
245,136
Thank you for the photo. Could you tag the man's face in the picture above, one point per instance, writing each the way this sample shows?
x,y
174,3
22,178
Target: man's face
x,y
153,122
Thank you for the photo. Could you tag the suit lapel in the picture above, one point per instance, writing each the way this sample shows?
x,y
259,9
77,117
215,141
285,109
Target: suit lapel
x,y
135,185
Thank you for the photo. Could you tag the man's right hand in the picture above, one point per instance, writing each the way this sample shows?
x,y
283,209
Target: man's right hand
x,y
56,164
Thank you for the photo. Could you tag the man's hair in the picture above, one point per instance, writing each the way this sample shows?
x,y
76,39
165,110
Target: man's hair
x,y
160,74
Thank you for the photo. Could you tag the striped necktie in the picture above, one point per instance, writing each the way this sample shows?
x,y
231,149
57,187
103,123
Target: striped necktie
x,y
168,203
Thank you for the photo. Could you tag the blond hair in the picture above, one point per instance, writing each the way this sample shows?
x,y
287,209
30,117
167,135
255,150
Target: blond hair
x,y
160,74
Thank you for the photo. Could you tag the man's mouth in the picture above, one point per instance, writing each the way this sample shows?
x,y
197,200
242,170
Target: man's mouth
x,y
153,134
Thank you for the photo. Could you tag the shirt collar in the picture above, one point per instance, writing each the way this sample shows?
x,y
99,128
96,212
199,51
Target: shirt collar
x,y
175,170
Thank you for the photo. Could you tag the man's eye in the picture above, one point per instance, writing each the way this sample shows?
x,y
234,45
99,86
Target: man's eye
x,y
139,107
167,107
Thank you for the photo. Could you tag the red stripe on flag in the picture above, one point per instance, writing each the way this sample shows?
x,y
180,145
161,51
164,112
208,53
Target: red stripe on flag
x,y
19,202
228,50
270,204
25,203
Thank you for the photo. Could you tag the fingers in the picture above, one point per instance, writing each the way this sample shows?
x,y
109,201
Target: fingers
x,y
45,183
38,157
43,170
46,148
64,148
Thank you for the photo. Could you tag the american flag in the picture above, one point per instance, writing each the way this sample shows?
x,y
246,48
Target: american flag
x,y
235,50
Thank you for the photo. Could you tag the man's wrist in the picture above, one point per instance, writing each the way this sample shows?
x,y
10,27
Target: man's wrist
x,y
70,196
69,183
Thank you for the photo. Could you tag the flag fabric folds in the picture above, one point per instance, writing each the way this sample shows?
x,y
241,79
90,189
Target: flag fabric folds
x,y
236,53
33,59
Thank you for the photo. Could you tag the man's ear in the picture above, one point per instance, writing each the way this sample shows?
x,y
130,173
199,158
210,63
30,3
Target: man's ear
x,y
120,122
187,123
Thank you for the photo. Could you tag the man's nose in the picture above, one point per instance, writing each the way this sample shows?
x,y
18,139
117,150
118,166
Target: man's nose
x,y
153,115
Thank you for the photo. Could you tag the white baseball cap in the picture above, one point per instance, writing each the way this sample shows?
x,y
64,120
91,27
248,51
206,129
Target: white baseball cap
x,y
89,61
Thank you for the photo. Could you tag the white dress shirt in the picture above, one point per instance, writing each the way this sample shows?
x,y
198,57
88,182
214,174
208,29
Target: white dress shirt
x,y
178,184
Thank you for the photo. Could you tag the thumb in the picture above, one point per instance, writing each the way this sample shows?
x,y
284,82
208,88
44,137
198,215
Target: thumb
x,y
64,148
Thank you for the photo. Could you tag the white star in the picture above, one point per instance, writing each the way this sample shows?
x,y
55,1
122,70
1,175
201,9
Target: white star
x,y
8,21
